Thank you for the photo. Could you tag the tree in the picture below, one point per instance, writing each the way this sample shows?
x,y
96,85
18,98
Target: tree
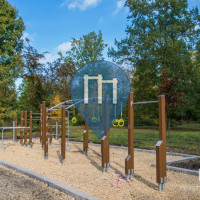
x,y
161,34
174,98
87,48
10,60
35,87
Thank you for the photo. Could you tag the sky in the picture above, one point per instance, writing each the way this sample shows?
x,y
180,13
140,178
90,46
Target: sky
x,y
51,24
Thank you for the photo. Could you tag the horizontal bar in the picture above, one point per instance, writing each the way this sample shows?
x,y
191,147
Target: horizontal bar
x,y
54,117
36,113
53,125
13,127
144,102
53,134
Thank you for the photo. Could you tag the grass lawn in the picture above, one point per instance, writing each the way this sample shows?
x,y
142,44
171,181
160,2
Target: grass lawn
x,y
180,140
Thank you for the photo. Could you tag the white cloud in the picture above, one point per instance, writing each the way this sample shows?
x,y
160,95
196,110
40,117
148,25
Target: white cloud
x,y
50,57
120,5
65,46
81,4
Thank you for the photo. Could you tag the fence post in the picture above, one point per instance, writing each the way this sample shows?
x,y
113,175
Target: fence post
x,y
161,146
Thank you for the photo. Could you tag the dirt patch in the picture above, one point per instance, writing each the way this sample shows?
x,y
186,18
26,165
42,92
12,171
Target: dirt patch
x,y
192,164
14,185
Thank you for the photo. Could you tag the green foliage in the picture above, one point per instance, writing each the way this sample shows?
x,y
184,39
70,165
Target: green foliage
x,y
35,87
87,48
11,27
161,34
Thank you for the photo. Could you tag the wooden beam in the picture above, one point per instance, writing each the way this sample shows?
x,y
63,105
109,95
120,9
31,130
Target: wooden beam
x,y
129,161
161,146
30,130
21,130
85,139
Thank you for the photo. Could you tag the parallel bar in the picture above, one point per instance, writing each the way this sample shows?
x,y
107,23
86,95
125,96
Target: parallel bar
x,y
30,130
144,102
63,136
129,161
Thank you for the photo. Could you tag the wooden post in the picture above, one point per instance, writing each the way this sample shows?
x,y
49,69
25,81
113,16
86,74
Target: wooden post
x,y
25,130
43,123
50,123
21,130
13,131
129,161
16,131
161,146
105,139
30,129
85,139
63,134
41,106
45,134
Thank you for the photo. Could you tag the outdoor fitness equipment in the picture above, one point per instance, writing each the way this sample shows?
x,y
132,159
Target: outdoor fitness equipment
x,y
74,120
129,160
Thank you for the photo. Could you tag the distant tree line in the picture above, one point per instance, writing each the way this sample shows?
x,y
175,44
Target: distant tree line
x,y
161,54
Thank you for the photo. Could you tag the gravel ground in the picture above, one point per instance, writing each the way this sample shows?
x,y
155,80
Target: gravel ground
x,y
84,172
14,185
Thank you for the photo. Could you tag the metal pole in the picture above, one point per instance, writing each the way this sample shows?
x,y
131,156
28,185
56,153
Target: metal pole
x,y
56,130
15,131
63,135
2,140
68,146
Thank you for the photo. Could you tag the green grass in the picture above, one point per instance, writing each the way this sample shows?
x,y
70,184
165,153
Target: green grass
x,y
184,140
178,141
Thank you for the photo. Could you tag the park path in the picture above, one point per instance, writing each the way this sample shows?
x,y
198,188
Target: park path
x,y
14,185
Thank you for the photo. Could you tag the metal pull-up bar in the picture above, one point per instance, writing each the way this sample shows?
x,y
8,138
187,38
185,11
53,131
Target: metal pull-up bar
x,y
3,128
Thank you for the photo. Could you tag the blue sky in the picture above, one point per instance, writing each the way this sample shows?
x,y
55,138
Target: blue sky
x,y
50,24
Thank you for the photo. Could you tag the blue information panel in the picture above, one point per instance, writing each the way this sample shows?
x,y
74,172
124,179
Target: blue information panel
x,y
100,90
